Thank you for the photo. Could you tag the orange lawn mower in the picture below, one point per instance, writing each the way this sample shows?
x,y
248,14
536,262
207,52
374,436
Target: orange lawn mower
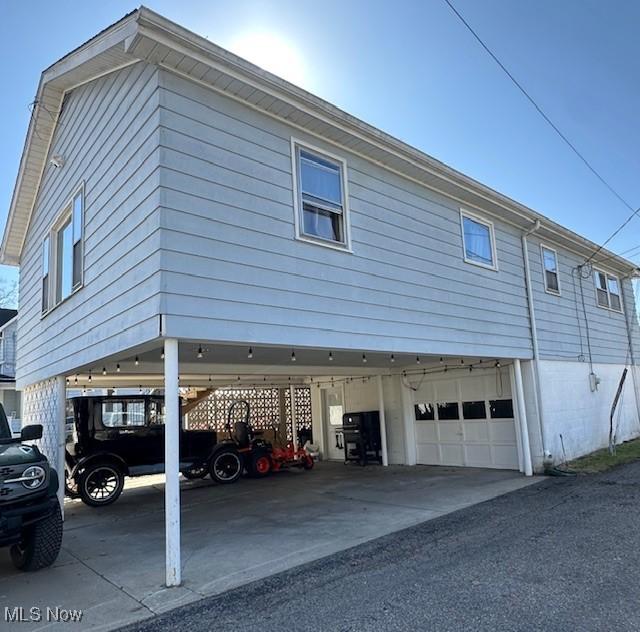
x,y
289,456
261,457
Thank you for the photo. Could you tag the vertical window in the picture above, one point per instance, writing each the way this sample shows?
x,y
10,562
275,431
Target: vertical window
x,y
76,220
321,197
607,290
550,266
478,241
64,260
45,274
62,254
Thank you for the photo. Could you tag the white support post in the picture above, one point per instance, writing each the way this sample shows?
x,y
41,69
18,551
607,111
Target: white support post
x,y
61,414
294,417
409,422
383,424
522,417
516,416
172,463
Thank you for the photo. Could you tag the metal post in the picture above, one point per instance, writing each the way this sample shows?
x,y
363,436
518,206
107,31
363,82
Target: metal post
x,y
294,417
383,423
522,415
172,463
61,414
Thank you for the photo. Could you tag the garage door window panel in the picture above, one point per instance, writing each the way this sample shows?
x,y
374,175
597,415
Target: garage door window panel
x,y
501,408
448,411
474,410
424,412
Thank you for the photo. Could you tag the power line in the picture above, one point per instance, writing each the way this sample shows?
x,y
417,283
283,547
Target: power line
x,y
540,111
630,252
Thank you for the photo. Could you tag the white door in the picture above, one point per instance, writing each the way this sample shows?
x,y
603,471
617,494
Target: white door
x,y
467,421
333,409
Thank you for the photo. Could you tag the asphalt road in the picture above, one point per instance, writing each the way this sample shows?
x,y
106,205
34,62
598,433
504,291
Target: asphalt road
x,y
562,555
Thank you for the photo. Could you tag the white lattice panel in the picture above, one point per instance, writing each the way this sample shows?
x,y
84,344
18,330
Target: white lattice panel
x,y
40,406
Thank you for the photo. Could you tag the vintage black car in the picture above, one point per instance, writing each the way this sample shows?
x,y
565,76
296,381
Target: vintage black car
x,y
30,516
110,437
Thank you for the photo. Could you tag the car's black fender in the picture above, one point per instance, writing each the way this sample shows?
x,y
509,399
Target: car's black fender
x,y
102,457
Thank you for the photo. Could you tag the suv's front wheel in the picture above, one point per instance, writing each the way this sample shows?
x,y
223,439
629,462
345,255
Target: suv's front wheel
x,y
40,543
100,484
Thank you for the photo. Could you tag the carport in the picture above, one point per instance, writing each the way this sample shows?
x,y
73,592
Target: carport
x,y
389,383
112,559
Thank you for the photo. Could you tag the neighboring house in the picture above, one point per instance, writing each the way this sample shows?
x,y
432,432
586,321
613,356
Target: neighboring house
x,y
9,396
171,191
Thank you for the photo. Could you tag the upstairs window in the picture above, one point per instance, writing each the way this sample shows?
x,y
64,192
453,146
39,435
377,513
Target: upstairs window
x,y
322,214
45,274
550,268
478,241
607,290
62,254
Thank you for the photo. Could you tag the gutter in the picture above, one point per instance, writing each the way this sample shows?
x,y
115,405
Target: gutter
x,y
546,455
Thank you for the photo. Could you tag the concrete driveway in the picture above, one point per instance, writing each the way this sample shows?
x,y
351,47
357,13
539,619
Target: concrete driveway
x,y
112,563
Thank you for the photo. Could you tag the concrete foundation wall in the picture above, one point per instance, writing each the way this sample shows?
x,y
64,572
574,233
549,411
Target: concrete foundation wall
x,y
580,416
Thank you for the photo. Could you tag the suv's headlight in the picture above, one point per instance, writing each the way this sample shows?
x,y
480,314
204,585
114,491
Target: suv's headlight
x,y
33,477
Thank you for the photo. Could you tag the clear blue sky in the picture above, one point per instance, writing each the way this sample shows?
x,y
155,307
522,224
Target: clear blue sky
x,y
412,69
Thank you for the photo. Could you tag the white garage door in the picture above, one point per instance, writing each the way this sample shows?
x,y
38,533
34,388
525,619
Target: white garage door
x,y
467,420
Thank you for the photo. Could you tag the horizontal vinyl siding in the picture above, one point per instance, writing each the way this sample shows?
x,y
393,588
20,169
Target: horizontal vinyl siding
x,y
108,134
233,270
560,320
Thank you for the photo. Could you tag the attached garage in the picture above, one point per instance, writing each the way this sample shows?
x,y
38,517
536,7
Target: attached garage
x,y
466,420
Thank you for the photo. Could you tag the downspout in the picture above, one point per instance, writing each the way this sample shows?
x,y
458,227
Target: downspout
x,y
634,274
546,456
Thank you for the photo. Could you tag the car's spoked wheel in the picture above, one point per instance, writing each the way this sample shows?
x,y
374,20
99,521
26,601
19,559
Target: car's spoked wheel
x,y
226,467
195,473
70,486
101,485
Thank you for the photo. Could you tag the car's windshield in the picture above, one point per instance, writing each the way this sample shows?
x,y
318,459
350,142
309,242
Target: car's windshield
x,y
5,431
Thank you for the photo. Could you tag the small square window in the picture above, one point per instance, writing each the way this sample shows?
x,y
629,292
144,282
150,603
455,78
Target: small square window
x,y
474,410
478,241
321,198
550,266
424,412
501,408
448,411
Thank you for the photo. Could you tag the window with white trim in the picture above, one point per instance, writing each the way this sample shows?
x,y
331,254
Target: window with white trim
x,y
45,274
607,290
62,253
321,197
550,270
478,241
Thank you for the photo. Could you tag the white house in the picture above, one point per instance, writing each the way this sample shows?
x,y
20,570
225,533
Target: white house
x,y
9,396
181,214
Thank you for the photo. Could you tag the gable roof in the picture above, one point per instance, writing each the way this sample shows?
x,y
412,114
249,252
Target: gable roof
x,y
145,35
6,315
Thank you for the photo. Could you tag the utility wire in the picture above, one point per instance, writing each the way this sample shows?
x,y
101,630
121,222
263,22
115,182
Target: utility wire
x,y
542,113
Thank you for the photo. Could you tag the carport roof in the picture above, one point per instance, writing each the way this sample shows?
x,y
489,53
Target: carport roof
x,y
145,35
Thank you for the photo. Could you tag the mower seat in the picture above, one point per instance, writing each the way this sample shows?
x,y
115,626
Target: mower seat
x,y
241,432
